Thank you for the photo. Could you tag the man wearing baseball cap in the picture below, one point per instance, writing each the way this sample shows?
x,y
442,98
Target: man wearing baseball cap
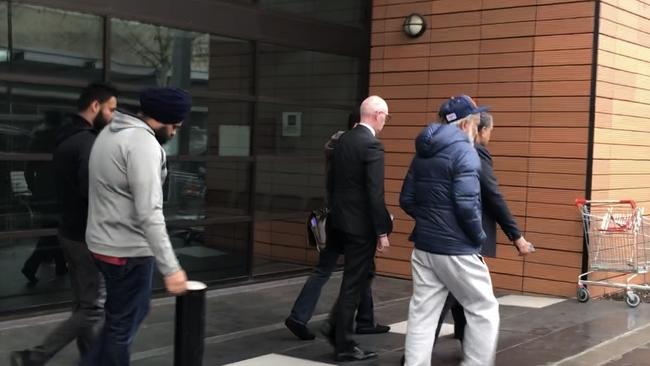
x,y
126,230
442,193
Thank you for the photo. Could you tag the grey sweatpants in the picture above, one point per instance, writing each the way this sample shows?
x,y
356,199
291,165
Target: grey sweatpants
x,y
468,278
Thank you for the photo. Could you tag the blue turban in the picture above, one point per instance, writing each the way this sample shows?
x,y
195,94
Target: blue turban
x,y
166,105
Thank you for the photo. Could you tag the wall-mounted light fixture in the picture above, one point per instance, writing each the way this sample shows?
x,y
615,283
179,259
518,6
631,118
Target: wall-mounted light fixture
x,y
414,25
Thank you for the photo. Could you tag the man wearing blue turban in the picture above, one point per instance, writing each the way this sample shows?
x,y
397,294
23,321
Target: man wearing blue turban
x,y
126,230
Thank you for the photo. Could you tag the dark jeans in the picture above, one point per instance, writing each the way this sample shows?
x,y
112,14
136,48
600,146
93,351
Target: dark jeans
x,y
359,255
47,249
89,295
303,308
457,312
128,293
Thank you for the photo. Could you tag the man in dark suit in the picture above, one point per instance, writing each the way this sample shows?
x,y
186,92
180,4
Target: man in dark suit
x,y
304,306
359,219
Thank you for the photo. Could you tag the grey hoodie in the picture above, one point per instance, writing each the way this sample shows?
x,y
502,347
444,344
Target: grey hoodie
x,y
125,205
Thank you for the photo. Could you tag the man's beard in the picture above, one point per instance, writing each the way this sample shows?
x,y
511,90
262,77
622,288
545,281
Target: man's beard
x,y
99,122
161,135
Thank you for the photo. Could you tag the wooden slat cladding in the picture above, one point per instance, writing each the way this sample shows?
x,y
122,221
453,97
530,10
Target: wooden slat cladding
x,y
621,146
531,61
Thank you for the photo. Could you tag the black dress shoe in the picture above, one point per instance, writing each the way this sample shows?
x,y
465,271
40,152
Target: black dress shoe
x,y
299,330
355,354
377,328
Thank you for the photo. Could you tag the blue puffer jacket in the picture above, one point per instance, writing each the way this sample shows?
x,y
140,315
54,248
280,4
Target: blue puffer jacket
x,y
442,192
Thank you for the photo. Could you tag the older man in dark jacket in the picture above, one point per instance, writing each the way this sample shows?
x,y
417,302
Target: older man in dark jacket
x,y
442,193
495,210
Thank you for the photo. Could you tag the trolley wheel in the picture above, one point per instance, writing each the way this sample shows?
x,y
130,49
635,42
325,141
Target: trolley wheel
x,y
583,294
632,300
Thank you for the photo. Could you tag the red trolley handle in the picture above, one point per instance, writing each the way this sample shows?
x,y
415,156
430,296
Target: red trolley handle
x,y
581,202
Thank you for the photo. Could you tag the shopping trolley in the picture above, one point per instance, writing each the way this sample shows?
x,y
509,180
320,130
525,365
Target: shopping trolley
x,y
616,233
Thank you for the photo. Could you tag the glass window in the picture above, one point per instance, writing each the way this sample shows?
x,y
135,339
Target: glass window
x,y
215,128
336,11
289,186
31,117
290,181
237,1
4,37
291,163
185,190
199,190
210,176
307,75
150,55
34,253
284,129
231,66
56,43
212,252
28,199
297,100
228,128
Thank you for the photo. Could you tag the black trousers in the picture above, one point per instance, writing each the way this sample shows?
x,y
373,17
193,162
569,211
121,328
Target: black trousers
x,y
359,253
47,249
305,304
457,312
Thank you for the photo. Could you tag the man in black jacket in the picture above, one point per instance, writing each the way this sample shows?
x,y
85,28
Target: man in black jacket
x,y
95,105
495,210
359,219
39,176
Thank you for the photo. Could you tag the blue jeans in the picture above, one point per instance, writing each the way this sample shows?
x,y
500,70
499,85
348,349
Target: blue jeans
x,y
128,294
305,304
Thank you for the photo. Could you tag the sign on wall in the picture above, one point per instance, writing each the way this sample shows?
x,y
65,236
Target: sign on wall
x,y
291,124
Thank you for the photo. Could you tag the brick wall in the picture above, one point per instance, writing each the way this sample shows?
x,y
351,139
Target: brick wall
x,y
621,137
531,61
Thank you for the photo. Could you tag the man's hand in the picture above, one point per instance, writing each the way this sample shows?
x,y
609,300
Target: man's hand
x,y
382,243
524,247
176,283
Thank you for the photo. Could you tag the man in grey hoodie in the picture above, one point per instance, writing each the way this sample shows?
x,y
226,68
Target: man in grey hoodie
x,y
126,228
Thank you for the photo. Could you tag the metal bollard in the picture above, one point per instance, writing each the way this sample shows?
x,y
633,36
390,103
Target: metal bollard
x,y
189,331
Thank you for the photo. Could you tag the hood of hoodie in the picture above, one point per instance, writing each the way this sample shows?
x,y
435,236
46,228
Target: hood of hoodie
x,y
436,137
122,121
74,124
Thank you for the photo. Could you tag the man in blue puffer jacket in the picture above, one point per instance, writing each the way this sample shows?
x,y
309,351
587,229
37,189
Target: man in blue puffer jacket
x,y
442,193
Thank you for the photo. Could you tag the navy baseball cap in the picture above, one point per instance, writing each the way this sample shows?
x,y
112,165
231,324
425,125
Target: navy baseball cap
x,y
458,107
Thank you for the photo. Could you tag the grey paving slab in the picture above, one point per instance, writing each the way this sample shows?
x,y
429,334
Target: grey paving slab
x,y
637,357
569,333
243,323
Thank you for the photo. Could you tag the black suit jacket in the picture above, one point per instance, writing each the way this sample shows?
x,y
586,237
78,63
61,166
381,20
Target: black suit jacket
x,y
356,186
495,208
